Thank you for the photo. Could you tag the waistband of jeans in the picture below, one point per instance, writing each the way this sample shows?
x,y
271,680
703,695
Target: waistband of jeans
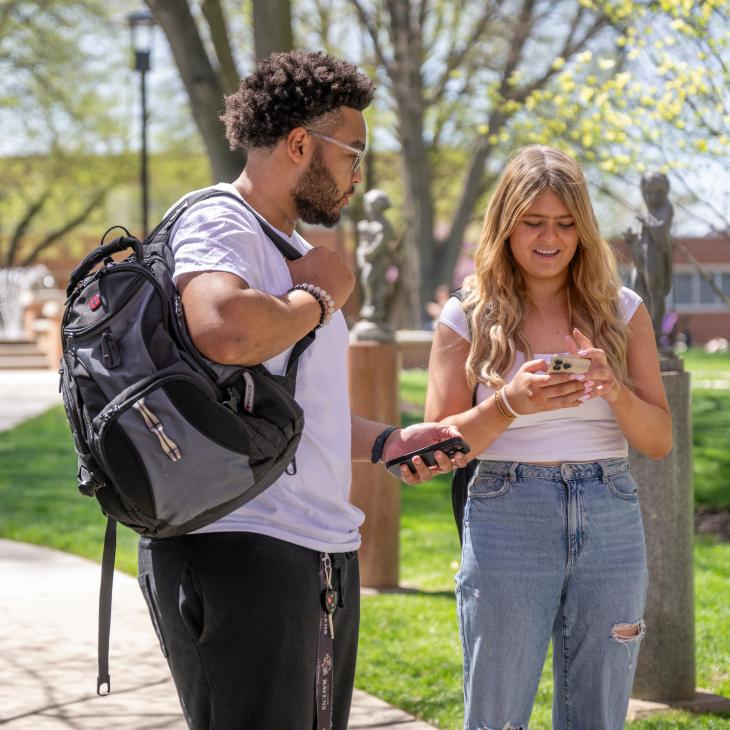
x,y
513,470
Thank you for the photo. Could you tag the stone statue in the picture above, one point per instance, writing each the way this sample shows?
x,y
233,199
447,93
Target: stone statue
x,y
376,244
652,250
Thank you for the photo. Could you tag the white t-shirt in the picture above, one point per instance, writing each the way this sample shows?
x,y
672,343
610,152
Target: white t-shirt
x,y
585,433
310,508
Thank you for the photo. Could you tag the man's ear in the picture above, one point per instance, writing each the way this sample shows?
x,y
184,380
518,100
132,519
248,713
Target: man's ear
x,y
298,145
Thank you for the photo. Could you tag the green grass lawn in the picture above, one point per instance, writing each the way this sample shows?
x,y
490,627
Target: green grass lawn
x,y
410,653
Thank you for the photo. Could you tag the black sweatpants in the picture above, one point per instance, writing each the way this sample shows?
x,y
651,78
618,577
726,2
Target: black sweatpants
x,y
237,615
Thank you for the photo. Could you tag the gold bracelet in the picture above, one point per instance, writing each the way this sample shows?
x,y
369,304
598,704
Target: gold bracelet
x,y
501,408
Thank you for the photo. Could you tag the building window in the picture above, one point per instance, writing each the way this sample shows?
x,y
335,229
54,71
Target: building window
x,y
690,291
726,284
682,289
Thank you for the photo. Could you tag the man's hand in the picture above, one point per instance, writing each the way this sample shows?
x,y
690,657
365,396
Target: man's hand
x,y
325,269
416,437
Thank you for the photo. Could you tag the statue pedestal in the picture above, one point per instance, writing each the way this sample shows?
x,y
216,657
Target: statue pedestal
x,y
373,370
367,331
666,667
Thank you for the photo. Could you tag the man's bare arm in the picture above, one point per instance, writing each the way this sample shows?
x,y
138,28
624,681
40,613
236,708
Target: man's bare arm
x,y
232,323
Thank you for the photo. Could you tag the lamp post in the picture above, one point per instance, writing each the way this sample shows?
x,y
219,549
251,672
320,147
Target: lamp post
x,y
141,24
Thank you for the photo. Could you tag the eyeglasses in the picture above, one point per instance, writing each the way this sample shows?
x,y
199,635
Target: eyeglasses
x,y
359,154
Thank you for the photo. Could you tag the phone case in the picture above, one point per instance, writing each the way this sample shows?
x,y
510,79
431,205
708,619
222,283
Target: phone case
x,y
449,447
569,364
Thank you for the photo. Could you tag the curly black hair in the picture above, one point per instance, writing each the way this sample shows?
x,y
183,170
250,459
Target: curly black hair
x,y
289,90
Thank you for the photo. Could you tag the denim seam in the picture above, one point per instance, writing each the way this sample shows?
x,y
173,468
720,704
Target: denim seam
x,y
580,535
633,497
570,562
503,489
464,647
566,704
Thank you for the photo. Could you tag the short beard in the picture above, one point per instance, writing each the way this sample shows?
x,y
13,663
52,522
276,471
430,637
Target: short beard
x,y
316,196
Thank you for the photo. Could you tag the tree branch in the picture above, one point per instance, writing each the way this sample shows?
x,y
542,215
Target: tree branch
x,y
216,20
456,56
202,83
568,50
369,24
520,35
52,237
21,229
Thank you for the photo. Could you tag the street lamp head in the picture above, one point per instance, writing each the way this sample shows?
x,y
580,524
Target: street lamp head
x,y
141,24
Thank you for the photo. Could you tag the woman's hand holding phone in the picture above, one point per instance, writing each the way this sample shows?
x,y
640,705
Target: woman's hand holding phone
x,y
534,390
605,384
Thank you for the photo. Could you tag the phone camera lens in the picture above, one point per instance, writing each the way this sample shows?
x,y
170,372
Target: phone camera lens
x,y
566,365
558,362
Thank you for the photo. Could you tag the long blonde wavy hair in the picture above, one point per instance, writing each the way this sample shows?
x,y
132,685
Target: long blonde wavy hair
x,y
495,296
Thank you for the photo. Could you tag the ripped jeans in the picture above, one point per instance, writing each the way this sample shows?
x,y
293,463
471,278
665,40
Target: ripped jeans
x,y
551,552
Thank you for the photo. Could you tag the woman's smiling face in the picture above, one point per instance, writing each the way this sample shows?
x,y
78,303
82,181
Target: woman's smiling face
x,y
545,238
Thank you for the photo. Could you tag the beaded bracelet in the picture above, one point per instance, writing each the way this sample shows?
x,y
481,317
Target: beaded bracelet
x,y
325,301
501,408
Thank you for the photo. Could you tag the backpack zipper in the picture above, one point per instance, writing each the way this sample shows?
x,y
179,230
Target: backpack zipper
x,y
123,301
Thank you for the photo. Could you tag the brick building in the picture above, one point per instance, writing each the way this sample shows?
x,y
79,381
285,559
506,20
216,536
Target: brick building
x,y
702,313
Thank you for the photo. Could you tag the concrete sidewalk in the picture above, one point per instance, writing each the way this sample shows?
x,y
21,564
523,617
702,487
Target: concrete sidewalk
x,y
48,625
26,393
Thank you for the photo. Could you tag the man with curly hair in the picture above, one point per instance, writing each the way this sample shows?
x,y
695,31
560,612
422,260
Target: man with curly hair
x,y
258,612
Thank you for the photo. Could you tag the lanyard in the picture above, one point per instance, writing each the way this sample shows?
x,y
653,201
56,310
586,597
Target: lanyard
x,y
325,645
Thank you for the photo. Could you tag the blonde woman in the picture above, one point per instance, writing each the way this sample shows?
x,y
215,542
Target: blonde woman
x,y
553,537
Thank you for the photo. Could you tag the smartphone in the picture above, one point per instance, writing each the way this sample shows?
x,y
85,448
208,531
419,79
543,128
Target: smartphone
x,y
569,364
449,447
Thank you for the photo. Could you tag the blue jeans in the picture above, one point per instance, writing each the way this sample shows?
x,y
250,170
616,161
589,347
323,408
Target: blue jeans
x,y
551,551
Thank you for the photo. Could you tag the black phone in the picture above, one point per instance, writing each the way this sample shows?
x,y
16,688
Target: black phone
x,y
449,447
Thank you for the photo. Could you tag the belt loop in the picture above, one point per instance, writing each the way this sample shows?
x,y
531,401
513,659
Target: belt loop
x,y
604,472
512,473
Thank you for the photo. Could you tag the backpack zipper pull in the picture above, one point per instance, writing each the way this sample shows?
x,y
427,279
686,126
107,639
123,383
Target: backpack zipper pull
x,y
110,350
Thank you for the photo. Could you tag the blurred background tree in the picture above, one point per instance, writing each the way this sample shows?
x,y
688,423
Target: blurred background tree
x,y
624,85
58,127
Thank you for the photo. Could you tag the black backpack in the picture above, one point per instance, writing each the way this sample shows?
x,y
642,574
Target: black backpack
x,y
167,440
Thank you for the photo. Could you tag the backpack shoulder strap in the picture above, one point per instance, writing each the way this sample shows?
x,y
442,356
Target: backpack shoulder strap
x,y
166,224
161,235
103,683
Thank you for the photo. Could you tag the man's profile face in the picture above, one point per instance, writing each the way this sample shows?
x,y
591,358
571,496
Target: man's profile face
x,y
316,195
325,187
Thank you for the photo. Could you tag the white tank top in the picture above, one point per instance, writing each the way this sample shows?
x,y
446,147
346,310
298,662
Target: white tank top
x,y
585,433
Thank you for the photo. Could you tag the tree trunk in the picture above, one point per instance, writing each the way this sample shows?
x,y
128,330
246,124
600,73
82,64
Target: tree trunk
x,y
201,82
213,12
405,32
473,187
272,27
418,240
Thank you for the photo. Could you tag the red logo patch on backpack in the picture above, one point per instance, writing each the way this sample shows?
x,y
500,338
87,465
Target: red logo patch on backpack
x,y
94,302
